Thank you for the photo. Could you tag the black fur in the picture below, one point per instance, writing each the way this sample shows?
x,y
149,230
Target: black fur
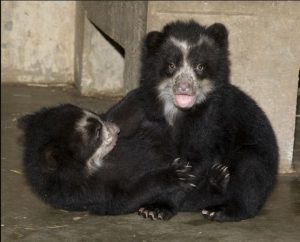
x,y
137,171
221,133
225,127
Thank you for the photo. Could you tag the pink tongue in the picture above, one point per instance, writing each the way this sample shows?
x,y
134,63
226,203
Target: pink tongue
x,y
184,101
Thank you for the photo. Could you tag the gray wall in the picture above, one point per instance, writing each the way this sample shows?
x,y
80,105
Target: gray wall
x,y
52,42
99,67
37,41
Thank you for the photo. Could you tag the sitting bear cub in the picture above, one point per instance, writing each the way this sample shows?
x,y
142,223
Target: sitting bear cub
x,y
185,85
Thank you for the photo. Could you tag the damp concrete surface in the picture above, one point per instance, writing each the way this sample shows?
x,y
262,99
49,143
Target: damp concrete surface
x,y
25,218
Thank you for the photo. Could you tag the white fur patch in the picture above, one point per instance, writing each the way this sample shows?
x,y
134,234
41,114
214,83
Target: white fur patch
x,y
166,96
83,121
186,68
95,161
183,45
205,86
185,72
108,141
205,39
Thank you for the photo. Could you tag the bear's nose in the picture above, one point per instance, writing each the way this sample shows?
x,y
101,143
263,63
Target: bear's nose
x,y
184,87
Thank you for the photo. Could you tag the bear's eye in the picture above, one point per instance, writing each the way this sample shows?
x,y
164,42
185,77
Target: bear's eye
x,y
98,132
199,68
172,66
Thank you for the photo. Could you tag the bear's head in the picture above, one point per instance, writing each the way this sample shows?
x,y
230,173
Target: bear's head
x,y
67,136
185,62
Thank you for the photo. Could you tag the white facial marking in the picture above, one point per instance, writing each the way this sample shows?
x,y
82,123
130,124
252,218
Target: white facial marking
x,y
108,141
205,39
165,90
183,45
185,72
204,87
95,161
83,122
186,69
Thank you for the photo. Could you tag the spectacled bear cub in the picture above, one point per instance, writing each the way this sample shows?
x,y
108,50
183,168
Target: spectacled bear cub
x,y
74,160
185,83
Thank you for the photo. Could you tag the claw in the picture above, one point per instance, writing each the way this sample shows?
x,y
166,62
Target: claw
x,y
192,185
227,176
160,217
176,159
141,210
204,212
151,215
224,169
182,179
192,176
145,213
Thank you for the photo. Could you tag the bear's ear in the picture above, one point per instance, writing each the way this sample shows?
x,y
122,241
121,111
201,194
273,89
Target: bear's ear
x,y
153,39
219,33
51,159
24,121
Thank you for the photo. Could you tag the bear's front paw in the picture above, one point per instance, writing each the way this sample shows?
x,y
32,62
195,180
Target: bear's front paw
x,y
184,174
219,177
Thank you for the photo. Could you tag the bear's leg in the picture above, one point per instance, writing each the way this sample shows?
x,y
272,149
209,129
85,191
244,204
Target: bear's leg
x,y
150,187
251,180
167,205
212,188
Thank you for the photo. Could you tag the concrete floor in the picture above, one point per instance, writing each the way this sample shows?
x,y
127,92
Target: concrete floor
x,y
26,218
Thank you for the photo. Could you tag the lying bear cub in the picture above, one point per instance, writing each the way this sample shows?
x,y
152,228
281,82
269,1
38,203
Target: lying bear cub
x,y
74,160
